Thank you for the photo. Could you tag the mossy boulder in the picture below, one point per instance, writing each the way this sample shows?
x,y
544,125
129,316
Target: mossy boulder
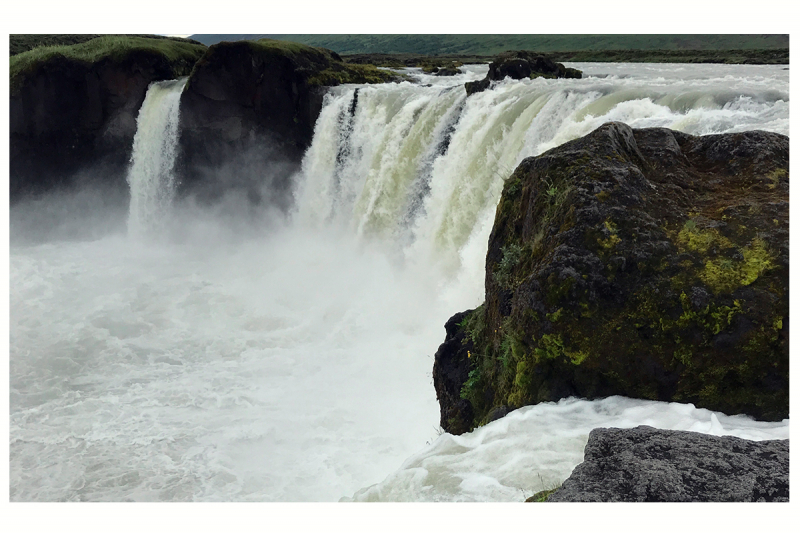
x,y
521,64
75,107
646,263
248,113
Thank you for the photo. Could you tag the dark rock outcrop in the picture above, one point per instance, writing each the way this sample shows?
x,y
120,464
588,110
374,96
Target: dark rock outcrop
x,y
651,465
519,65
645,263
451,368
68,115
248,114
473,87
447,71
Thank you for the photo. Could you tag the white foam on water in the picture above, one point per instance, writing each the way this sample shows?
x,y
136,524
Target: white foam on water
x,y
264,369
535,448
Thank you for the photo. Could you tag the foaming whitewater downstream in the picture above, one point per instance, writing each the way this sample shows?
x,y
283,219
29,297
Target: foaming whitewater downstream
x,y
242,357
154,149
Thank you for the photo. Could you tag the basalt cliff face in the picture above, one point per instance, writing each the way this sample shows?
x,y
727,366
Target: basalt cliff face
x,y
646,263
69,115
248,114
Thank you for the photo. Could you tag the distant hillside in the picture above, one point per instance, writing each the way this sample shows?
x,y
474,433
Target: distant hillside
x,y
494,44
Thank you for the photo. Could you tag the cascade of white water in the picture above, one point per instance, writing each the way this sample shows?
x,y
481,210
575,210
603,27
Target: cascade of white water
x,y
154,149
422,166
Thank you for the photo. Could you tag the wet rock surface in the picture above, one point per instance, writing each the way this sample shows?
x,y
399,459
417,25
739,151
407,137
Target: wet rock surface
x,y
646,263
644,464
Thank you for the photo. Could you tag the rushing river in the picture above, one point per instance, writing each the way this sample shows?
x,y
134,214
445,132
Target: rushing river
x,y
160,351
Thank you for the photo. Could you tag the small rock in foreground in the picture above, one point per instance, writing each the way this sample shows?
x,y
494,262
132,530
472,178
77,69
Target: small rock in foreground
x,y
644,464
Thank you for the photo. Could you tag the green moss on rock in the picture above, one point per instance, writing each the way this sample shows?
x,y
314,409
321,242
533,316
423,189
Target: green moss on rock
x,y
541,496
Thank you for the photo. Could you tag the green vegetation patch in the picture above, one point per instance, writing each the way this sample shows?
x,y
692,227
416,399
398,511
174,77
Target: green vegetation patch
x,y
321,66
341,73
293,49
504,275
328,68
542,495
182,55
19,43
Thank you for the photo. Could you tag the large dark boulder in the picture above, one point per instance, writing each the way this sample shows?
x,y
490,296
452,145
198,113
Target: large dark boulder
x,y
645,263
519,65
70,114
525,64
248,113
652,465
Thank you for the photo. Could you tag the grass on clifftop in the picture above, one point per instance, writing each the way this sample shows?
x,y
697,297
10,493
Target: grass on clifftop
x,y
336,71
321,66
22,42
294,49
113,47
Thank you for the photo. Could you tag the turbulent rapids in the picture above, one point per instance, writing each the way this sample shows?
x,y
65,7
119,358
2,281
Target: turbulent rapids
x,y
216,354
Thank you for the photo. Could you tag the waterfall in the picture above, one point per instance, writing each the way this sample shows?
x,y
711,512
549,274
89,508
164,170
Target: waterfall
x,y
422,166
236,360
155,144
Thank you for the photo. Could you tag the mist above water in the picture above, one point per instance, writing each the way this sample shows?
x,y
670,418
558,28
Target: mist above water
x,y
240,354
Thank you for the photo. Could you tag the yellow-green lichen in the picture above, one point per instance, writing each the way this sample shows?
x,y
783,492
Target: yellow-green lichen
x,y
691,237
552,347
775,176
556,315
519,394
683,353
610,242
725,275
712,318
